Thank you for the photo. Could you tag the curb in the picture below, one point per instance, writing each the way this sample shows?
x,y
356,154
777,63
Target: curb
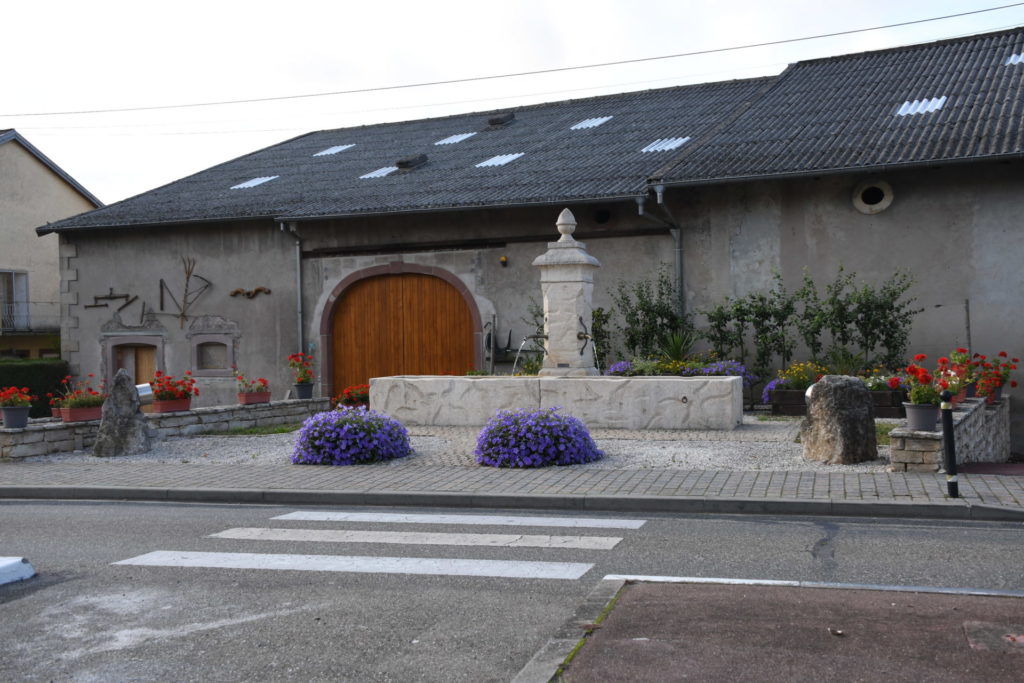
x,y
15,569
556,653
959,510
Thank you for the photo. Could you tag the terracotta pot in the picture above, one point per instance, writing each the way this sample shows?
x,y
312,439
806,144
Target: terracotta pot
x,y
250,397
81,414
15,417
921,417
303,390
174,405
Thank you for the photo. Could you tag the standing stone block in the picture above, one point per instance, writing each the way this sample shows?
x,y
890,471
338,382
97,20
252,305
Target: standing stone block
x,y
123,429
840,425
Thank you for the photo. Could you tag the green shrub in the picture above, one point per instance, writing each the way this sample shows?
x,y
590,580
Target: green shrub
x,y
40,376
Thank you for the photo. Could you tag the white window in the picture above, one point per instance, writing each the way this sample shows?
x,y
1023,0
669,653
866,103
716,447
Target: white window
x,y
14,300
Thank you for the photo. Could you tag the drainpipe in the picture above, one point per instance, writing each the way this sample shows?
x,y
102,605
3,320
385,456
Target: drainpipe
x,y
293,230
677,236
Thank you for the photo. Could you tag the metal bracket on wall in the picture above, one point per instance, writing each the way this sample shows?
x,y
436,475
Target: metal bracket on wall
x,y
189,296
249,293
110,296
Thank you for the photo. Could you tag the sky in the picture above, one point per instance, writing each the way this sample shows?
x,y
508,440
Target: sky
x,y
71,56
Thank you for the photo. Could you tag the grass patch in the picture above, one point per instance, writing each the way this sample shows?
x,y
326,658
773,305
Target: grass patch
x,y
882,430
778,418
255,431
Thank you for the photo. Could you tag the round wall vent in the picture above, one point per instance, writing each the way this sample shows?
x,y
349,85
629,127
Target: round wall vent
x,y
872,196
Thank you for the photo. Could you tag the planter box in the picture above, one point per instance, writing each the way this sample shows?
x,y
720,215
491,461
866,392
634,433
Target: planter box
x,y
175,405
81,414
251,397
792,402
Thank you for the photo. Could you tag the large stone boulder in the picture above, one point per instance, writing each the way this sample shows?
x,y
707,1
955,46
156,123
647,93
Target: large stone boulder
x,y
123,428
840,425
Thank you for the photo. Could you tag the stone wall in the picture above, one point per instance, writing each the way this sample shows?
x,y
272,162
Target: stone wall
x,y
981,434
43,437
604,402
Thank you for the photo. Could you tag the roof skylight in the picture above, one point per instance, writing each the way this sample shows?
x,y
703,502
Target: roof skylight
x,y
333,150
1014,59
452,139
380,172
665,144
591,123
500,160
254,182
925,106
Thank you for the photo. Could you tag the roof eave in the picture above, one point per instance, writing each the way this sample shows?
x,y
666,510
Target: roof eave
x,y
876,168
14,135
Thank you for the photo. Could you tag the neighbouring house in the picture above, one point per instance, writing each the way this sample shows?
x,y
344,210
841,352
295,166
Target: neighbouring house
x,y
33,190
407,247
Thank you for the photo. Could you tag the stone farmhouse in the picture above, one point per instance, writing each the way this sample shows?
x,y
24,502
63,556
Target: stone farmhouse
x,y
406,247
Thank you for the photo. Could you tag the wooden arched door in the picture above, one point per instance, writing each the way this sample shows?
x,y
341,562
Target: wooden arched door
x,y
400,324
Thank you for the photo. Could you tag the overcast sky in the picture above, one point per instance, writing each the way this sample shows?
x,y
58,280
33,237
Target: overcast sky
x,y
62,56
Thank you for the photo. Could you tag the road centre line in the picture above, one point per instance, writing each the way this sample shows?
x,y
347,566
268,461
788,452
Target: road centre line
x,y
420,538
363,565
486,520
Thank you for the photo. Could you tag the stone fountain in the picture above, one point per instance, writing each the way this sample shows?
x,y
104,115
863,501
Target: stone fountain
x,y
568,378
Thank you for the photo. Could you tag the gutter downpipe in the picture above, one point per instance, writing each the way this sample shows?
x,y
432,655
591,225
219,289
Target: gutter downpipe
x,y
677,238
291,228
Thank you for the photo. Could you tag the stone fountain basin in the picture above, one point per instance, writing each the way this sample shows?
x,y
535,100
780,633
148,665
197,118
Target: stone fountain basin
x,y
600,402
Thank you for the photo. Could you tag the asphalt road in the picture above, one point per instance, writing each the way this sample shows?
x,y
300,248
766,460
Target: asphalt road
x,y
86,618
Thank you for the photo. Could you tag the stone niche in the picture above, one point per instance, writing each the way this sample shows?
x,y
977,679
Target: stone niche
x,y
600,402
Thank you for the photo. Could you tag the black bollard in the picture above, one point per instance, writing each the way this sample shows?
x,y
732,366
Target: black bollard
x,y
949,445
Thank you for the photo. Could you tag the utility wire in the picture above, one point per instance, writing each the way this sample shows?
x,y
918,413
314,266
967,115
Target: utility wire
x,y
516,74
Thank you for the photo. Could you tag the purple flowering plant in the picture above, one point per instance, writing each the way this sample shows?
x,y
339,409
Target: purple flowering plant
x,y
777,383
719,368
622,368
534,439
350,436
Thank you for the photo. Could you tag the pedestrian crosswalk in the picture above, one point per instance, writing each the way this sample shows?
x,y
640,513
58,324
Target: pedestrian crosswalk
x,y
434,566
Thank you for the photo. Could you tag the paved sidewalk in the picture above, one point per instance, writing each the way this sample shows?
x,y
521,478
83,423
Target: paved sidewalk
x,y
983,496
643,471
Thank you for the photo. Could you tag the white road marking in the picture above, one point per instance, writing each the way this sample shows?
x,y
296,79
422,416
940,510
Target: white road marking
x,y
419,538
363,565
700,579
818,584
488,520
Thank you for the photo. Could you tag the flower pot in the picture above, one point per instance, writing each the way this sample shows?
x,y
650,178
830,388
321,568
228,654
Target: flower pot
x,y
15,417
174,405
996,395
81,414
250,397
971,389
303,390
921,417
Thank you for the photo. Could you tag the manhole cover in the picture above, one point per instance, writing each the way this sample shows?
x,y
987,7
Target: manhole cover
x,y
983,635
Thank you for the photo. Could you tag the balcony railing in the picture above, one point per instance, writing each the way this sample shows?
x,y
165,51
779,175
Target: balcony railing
x,y
29,317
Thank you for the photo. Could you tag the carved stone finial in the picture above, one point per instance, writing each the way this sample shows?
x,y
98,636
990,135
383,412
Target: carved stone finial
x,y
566,225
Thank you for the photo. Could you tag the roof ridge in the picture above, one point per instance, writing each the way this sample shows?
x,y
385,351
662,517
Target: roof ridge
x,y
909,47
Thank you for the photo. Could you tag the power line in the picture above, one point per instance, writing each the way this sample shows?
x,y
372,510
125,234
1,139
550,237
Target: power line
x,y
516,74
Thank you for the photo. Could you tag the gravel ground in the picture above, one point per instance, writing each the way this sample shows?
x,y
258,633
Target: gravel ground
x,y
756,445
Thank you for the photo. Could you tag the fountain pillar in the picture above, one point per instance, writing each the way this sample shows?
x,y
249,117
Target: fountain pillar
x,y
567,286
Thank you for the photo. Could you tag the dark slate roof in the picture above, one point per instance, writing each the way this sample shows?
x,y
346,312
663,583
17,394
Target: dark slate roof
x,y
840,114
558,164
11,135
821,116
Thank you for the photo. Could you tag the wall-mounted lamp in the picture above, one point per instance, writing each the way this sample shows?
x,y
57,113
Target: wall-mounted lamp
x,y
503,260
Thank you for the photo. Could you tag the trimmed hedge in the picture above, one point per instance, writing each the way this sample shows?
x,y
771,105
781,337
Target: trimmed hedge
x,y
40,376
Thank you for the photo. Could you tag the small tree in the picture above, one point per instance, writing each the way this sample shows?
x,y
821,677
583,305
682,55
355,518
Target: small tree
x,y
650,313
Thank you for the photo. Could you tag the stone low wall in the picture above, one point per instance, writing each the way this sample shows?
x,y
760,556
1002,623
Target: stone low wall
x,y
42,437
600,402
981,433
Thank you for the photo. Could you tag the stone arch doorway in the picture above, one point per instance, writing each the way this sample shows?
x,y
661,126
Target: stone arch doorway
x,y
400,319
